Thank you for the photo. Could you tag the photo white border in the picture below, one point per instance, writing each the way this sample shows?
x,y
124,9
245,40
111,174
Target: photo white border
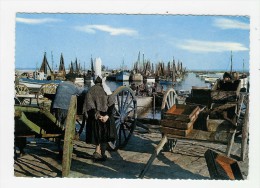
x,y
8,10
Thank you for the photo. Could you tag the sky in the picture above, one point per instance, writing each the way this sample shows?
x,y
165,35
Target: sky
x,y
199,42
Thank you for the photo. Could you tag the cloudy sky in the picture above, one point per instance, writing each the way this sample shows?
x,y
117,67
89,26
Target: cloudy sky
x,y
200,42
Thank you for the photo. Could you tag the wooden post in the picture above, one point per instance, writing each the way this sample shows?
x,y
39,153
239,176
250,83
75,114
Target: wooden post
x,y
69,136
245,130
153,105
154,155
230,143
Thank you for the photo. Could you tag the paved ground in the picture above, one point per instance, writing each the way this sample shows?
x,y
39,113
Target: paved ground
x,y
186,162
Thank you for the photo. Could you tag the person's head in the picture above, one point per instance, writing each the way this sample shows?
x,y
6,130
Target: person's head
x,y
71,77
98,80
227,76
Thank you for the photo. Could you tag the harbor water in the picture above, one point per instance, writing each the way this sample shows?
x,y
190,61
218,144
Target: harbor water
x,y
186,84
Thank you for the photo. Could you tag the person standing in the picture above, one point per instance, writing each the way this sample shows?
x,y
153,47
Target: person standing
x,y
61,103
100,129
62,98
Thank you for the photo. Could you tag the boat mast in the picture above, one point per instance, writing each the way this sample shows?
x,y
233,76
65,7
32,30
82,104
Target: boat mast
x,y
92,66
52,61
231,64
173,71
243,66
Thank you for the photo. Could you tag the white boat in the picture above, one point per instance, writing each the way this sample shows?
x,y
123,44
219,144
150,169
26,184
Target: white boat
x,y
209,79
203,76
122,76
244,81
149,79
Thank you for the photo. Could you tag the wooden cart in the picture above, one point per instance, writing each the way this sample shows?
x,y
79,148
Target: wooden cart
x,y
195,120
38,122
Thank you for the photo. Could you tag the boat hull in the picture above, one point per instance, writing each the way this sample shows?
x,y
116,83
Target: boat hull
x,y
36,84
122,76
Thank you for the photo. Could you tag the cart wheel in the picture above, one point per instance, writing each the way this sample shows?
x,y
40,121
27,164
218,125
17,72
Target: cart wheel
x,y
125,116
21,89
46,89
245,134
169,99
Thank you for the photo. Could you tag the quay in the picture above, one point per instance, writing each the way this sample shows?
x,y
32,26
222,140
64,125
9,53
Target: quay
x,y
186,161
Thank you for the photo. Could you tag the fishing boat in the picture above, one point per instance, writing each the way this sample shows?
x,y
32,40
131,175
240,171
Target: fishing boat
x,y
211,80
122,76
111,77
40,77
89,76
36,84
244,82
136,77
149,79
244,78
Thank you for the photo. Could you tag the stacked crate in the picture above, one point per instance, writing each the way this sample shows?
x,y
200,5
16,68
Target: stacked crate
x,y
222,117
226,91
223,112
179,119
199,95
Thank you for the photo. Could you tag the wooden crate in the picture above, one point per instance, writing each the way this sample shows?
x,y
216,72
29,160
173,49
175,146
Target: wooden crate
x,y
222,117
182,112
199,95
226,91
222,167
176,124
179,119
173,131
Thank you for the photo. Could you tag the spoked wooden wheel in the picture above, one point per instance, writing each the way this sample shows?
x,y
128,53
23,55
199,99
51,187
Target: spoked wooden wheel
x,y
22,89
125,116
169,99
46,89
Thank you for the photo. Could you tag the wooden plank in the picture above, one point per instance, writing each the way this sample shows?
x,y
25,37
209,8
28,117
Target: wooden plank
x,y
157,150
173,131
226,91
40,136
175,118
31,109
69,136
220,137
35,128
176,124
218,125
245,133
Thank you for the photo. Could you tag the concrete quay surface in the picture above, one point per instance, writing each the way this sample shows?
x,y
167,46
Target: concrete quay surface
x,y
187,160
